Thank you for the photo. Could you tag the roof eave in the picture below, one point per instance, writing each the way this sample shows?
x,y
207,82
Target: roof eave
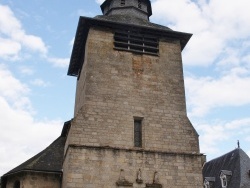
x,y
78,52
34,170
78,47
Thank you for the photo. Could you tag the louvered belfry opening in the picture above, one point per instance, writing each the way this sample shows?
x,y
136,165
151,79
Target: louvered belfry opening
x,y
136,41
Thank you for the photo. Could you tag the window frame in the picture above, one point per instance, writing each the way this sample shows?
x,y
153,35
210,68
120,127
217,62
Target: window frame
x,y
223,179
138,132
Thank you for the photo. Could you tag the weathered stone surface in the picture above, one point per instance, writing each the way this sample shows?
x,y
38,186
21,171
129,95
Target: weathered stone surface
x,y
115,87
100,167
35,180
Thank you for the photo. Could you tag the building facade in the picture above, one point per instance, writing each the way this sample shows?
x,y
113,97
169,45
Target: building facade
x,y
130,126
130,112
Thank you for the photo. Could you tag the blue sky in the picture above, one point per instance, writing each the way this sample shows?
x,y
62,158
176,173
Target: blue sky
x,y
37,96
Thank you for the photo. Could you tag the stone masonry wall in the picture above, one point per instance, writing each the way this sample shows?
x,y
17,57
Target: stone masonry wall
x,y
92,167
116,86
35,180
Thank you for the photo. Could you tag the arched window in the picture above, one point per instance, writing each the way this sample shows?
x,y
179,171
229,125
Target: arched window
x,y
17,184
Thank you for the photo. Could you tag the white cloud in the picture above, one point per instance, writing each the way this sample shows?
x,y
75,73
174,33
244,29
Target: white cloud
x,y
21,135
9,48
59,62
210,136
40,83
32,42
26,70
207,93
215,135
13,37
12,89
99,1
215,24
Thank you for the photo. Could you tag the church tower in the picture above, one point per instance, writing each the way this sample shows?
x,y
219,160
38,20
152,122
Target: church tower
x,y
130,126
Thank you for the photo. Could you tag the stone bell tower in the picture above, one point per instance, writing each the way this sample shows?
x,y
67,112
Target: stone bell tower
x,y
130,127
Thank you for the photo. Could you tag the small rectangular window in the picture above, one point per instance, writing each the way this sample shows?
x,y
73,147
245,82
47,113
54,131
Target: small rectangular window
x,y
138,132
139,4
122,2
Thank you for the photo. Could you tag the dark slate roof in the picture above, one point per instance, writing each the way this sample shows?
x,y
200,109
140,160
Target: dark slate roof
x,y
48,160
236,161
116,22
132,20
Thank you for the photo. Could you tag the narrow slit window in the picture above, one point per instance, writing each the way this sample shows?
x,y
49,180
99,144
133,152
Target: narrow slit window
x,y
139,4
122,2
17,184
138,133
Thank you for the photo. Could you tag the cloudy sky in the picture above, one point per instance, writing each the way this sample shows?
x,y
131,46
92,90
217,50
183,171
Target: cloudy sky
x,y
36,95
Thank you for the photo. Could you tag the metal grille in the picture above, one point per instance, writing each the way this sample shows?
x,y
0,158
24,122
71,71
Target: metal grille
x,y
138,133
136,41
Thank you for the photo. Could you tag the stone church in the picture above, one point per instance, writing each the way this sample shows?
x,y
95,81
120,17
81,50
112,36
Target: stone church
x,y
130,126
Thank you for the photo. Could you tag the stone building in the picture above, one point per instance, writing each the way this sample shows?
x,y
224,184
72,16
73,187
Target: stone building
x,y
130,127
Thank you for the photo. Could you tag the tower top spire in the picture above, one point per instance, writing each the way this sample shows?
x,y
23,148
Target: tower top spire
x,y
136,8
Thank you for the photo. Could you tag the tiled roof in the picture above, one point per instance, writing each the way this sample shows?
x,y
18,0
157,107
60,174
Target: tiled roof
x,y
236,161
